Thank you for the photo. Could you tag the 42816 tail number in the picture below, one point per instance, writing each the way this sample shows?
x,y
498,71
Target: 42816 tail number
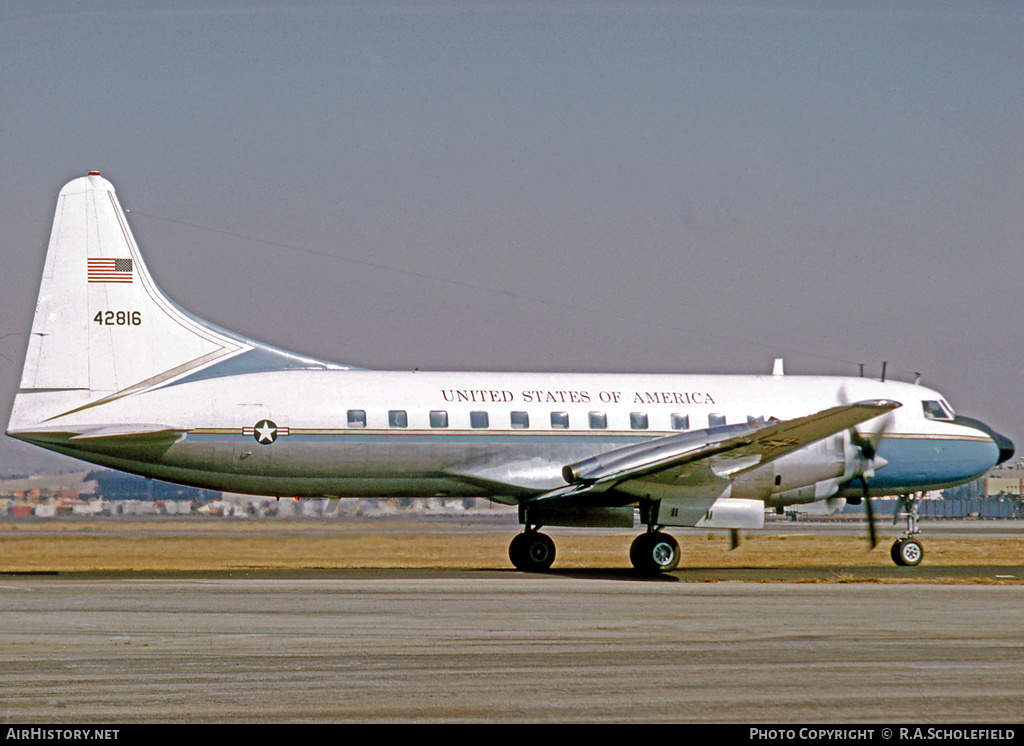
x,y
118,318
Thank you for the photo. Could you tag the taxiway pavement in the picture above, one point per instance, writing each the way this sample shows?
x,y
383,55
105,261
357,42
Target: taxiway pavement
x,y
491,646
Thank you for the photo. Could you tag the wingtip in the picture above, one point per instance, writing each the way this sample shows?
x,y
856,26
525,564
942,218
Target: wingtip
x,y
92,181
886,404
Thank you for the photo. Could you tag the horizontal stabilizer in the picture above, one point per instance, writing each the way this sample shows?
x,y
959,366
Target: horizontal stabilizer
x,y
105,439
126,431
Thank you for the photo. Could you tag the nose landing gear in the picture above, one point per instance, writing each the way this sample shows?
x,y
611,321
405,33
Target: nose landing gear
x,y
907,550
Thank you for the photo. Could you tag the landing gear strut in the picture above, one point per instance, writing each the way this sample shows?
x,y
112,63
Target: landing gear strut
x,y
907,551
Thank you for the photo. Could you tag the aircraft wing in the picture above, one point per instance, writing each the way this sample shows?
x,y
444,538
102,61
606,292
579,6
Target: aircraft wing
x,y
705,457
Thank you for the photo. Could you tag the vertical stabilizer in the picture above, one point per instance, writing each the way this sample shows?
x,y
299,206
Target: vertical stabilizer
x,y
102,328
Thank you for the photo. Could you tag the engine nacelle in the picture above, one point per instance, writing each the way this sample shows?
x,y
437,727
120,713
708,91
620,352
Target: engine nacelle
x,y
822,461
822,507
807,475
812,493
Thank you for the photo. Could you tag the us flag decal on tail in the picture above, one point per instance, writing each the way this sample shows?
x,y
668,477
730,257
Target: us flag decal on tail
x,y
110,270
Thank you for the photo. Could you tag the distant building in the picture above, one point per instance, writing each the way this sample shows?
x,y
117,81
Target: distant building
x,y
116,485
1006,480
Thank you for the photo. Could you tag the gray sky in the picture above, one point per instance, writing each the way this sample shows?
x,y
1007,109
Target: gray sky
x,y
677,187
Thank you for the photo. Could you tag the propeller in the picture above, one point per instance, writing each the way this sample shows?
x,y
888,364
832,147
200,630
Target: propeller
x,y
866,462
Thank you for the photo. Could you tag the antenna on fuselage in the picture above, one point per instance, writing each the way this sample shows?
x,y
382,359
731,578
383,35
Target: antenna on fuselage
x,y
884,363
861,369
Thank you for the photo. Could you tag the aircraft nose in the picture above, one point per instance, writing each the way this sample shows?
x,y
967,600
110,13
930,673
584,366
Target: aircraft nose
x,y
1005,448
1004,444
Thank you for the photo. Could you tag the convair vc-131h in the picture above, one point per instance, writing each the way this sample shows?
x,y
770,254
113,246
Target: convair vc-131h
x,y
117,374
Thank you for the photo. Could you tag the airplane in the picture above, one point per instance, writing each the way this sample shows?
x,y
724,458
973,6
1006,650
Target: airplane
x,y
119,375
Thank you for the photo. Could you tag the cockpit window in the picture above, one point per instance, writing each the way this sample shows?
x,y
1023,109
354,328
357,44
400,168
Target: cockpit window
x,y
934,410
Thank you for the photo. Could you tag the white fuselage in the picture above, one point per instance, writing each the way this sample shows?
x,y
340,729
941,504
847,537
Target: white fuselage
x,y
504,435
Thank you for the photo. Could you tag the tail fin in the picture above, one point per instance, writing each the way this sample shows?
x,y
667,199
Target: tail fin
x,y
103,329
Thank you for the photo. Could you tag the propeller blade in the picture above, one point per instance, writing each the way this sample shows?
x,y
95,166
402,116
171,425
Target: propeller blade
x,y
870,511
867,444
864,444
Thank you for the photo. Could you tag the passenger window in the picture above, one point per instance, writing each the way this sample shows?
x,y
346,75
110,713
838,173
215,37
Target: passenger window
x,y
559,420
398,418
716,420
438,418
520,420
598,421
638,420
357,418
478,419
680,421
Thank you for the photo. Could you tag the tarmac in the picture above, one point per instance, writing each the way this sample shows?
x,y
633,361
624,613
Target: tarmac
x,y
421,646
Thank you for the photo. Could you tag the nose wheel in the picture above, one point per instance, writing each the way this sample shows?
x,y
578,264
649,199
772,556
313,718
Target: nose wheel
x,y
907,550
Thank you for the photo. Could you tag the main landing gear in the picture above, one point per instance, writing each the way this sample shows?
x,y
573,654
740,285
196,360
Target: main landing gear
x,y
652,552
532,551
907,551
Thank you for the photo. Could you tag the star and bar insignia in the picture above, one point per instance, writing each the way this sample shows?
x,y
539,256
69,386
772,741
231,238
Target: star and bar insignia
x,y
265,431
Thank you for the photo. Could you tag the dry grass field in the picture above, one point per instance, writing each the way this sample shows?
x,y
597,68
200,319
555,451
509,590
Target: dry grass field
x,y
182,546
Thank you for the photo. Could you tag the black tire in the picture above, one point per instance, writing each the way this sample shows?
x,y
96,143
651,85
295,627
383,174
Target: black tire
x,y
654,552
532,551
907,552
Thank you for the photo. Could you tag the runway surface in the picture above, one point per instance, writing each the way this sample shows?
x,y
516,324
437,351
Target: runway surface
x,y
493,646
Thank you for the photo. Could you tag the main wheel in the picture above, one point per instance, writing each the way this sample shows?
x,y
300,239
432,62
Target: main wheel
x,y
907,552
654,552
532,551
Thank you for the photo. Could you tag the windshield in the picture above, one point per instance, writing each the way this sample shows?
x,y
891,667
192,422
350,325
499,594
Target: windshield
x,y
937,410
